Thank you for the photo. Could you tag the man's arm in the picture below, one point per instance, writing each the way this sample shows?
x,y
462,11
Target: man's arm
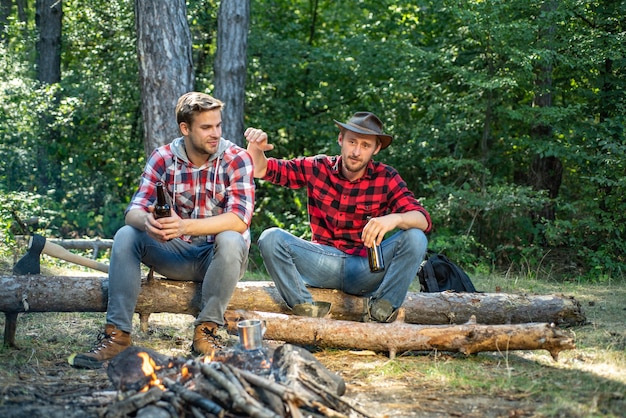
x,y
144,221
174,226
137,218
257,145
212,225
376,228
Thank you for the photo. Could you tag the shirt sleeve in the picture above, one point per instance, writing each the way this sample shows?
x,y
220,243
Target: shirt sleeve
x,y
146,193
241,186
402,200
289,173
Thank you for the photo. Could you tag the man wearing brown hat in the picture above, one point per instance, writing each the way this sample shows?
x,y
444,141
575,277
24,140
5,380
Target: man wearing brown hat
x,y
353,201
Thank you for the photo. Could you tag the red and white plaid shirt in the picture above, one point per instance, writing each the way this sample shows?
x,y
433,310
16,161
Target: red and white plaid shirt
x,y
225,183
338,208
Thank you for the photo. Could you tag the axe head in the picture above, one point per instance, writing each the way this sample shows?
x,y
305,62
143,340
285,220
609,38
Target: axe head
x,y
30,262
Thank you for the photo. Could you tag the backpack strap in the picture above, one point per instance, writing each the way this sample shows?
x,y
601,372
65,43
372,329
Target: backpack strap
x,y
429,277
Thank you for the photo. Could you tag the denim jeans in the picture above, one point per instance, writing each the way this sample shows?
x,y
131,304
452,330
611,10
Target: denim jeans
x,y
218,266
295,263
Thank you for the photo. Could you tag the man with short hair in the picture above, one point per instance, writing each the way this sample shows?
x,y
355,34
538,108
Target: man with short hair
x,y
206,238
353,201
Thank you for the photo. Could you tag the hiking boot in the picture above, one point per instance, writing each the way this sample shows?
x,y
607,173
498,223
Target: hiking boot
x,y
312,310
380,310
206,339
112,342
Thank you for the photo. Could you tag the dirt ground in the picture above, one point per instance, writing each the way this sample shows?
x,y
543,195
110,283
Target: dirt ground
x,y
55,389
58,392
37,381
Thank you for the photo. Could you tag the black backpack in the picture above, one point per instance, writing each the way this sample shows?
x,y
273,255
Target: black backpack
x,y
437,274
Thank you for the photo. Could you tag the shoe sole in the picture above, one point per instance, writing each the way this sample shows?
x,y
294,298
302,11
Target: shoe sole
x,y
85,363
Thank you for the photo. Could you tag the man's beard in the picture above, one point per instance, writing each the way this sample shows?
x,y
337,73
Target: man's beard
x,y
354,167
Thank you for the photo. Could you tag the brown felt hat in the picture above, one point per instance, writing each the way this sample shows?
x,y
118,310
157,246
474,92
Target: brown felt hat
x,y
367,123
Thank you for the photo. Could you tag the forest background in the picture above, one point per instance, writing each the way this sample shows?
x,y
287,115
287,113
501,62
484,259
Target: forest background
x,y
508,116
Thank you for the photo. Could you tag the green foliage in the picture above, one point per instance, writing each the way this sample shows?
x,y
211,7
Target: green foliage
x,y
457,84
94,110
22,213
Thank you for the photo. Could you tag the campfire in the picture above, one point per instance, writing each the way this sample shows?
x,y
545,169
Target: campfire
x,y
287,381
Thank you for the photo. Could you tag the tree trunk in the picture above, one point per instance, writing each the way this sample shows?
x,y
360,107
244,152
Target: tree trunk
x,y
90,294
399,337
5,12
48,19
230,66
22,15
165,66
546,171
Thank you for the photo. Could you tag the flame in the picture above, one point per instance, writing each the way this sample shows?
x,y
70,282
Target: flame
x,y
266,364
209,357
149,368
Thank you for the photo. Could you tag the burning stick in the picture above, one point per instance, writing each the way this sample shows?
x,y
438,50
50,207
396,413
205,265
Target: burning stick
x,y
133,403
193,397
157,384
240,398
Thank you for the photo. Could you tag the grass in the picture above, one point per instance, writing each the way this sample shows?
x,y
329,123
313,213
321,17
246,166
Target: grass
x,y
589,381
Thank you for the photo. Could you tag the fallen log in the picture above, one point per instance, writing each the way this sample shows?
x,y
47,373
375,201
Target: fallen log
x,y
399,337
428,308
34,293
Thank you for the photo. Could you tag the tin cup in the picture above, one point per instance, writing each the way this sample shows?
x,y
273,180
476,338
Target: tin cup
x,y
251,333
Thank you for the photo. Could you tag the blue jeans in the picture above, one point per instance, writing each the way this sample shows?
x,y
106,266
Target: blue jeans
x,y
218,266
295,263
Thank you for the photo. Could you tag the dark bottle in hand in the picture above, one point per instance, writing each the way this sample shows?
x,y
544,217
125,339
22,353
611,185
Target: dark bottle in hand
x,y
161,208
375,258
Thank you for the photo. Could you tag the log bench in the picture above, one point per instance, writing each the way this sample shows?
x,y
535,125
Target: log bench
x,y
36,293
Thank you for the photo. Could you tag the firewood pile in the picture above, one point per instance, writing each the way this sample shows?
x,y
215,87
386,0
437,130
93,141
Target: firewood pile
x,y
284,382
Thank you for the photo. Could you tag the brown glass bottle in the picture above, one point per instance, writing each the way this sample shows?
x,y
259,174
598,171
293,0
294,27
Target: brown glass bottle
x,y
161,208
375,258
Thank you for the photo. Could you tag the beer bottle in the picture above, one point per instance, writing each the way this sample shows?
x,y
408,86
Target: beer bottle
x,y
161,208
375,258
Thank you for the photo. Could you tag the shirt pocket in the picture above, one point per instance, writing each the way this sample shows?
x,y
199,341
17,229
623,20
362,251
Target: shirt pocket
x,y
367,205
217,199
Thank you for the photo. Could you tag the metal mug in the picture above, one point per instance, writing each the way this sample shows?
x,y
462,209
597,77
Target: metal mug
x,y
251,333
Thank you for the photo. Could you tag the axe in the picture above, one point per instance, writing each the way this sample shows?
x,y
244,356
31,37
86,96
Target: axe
x,y
30,262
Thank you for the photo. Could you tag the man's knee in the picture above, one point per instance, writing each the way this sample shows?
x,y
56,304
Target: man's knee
x,y
125,238
416,240
231,246
230,242
269,239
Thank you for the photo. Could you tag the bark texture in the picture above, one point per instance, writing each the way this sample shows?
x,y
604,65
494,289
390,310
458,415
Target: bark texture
x,y
399,337
90,294
48,18
165,66
230,66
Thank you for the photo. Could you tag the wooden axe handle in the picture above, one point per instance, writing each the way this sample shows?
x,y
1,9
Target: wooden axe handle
x,y
55,250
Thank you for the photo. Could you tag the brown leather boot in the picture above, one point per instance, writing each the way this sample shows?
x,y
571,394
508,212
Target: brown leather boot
x,y
205,339
109,345
313,310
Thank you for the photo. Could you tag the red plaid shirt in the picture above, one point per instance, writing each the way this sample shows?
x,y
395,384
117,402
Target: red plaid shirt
x,y
223,184
338,209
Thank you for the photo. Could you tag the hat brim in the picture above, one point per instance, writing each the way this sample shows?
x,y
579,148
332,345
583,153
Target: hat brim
x,y
385,139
